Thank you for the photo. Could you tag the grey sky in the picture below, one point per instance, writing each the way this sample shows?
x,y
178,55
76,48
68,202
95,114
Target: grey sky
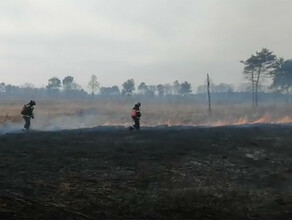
x,y
155,41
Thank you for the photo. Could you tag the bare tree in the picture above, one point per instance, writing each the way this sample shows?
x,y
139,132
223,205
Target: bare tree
x,y
209,96
93,84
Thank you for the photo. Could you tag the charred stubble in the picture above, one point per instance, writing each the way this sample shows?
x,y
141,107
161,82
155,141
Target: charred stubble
x,y
226,172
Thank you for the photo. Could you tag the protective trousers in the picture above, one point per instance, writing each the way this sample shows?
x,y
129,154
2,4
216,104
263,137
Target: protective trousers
x,y
137,123
27,122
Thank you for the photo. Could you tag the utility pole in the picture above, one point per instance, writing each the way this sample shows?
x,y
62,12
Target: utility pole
x,y
209,96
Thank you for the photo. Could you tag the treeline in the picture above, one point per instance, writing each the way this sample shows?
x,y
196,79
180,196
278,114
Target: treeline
x,y
67,87
263,64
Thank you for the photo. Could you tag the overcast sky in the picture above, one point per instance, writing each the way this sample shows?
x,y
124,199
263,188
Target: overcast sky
x,y
155,41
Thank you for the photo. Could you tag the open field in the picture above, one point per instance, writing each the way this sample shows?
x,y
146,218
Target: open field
x,y
72,114
233,172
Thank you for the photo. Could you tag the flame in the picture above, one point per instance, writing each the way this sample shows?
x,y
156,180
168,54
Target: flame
x,y
171,122
265,119
241,121
284,120
110,123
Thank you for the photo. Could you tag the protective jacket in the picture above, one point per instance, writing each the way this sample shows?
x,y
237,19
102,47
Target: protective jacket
x,y
136,112
27,111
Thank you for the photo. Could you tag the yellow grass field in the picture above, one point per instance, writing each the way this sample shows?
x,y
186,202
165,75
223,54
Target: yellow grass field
x,y
67,114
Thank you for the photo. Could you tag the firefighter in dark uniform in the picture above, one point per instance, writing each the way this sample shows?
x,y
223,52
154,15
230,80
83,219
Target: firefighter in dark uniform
x,y
136,114
27,113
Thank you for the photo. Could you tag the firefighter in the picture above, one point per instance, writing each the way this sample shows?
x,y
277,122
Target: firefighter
x,y
27,114
136,114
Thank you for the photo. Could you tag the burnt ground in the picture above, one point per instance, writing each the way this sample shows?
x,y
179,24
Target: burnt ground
x,y
157,173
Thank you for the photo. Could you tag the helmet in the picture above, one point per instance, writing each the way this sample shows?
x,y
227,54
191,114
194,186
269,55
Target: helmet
x,y
32,102
138,104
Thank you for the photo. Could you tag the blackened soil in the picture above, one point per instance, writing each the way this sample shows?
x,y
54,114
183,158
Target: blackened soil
x,y
156,173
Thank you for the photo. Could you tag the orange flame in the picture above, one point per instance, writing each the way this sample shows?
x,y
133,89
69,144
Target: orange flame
x,y
265,119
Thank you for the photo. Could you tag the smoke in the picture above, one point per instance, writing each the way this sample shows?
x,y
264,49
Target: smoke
x,y
66,122
77,115
63,119
10,128
87,120
50,123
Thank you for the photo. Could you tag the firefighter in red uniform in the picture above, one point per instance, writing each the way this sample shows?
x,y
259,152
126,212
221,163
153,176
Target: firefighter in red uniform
x,y
136,114
27,113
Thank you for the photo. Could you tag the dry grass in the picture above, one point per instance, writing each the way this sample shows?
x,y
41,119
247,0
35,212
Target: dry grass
x,y
88,113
